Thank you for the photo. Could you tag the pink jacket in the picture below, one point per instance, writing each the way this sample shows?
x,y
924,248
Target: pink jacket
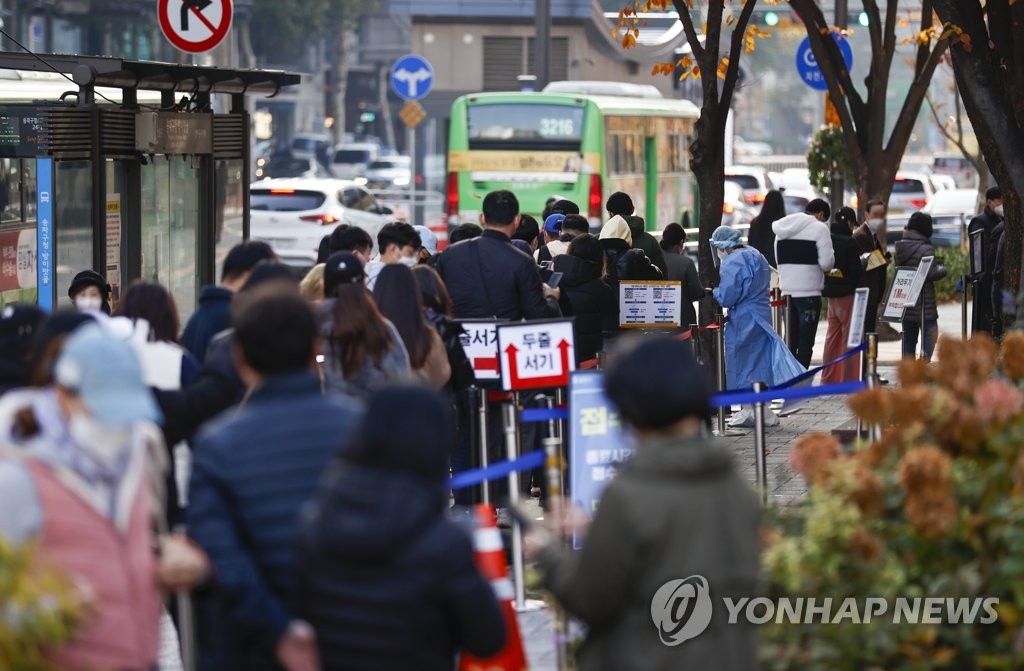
x,y
119,567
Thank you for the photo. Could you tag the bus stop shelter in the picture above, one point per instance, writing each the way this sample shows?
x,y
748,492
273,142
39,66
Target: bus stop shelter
x,y
130,173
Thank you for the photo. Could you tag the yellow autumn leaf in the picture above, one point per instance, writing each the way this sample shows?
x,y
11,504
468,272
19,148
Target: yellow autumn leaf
x,y
628,40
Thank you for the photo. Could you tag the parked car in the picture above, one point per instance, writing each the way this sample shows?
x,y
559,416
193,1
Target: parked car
x,y
796,200
292,215
910,192
283,166
315,145
392,172
735,211
951,211
957,167
752,179
350,160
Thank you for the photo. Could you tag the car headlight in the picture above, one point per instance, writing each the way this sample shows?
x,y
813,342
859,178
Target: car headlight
x,y
401,181
361,181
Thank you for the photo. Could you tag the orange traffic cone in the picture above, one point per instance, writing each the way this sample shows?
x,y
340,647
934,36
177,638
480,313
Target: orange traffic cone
x,y
490,559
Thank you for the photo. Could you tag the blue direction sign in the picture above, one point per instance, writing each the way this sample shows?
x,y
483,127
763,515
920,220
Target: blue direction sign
x,y
412,77
807,65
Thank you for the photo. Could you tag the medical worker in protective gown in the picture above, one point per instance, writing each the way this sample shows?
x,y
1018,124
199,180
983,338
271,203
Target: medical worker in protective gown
x,y
753,350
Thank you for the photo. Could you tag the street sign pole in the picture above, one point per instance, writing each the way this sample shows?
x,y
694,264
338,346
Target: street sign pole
x,y
411,143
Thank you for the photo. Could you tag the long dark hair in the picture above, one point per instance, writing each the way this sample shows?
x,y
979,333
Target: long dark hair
x,y
398,297
433,292
359,331
761,236
150,301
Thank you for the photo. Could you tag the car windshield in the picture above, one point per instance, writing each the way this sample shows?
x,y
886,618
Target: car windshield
x,y
745,181
908,186
285,200
352,156
286,166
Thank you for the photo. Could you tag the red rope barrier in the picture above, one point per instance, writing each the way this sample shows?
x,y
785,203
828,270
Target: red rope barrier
x,y
778,304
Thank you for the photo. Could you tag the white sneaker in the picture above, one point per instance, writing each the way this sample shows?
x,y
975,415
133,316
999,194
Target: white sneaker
x,y
743,418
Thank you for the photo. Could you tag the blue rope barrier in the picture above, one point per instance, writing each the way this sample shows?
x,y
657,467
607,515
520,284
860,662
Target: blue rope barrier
x,y
530,415
814,371
498,470
749,398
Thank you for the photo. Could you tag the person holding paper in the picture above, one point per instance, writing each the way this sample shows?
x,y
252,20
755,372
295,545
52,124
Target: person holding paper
x,y
754,352
915,246
875,258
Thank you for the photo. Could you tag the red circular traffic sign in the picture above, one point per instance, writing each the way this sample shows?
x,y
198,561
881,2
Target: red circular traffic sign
x,y
195,26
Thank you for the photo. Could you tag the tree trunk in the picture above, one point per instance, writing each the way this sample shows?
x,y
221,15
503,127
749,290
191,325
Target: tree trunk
x,y
982,80
340,83
708,162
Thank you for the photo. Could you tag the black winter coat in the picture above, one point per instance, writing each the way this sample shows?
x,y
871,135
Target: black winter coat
x,y
847,262
387,581
636,266
589,300
487,277
909,252
462,370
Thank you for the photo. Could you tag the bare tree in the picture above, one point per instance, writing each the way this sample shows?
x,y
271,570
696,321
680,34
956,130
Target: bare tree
x,y
952,128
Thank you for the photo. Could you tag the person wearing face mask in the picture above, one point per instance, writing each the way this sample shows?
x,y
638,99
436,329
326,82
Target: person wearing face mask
x,y
397,242
990,218
80,472
754,352
875,259
679,507
90,292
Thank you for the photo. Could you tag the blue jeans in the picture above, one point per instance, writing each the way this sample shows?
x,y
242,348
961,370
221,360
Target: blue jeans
x,y
910,331
802,327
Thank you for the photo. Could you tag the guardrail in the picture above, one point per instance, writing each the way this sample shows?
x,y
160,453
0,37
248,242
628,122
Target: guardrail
x,y
419,208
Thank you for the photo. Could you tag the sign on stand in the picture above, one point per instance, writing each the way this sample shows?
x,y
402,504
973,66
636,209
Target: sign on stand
x,y
898,297
597,444
480,342
917,287
537,354
194,26
650,304
860,313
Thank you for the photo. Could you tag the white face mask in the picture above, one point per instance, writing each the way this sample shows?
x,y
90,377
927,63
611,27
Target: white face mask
x,y
875,224
88,304
105,442
999,210
409,261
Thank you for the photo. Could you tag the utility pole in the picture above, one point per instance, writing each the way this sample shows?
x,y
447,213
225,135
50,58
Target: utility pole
x,y
542,44
838,185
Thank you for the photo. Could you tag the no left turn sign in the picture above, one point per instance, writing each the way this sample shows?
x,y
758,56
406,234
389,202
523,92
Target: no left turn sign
x,y
194,26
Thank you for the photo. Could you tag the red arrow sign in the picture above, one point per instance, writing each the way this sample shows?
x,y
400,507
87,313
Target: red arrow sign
x,y
517,383
486,363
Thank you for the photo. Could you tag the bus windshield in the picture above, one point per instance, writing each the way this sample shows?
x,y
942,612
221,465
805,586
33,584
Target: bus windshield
x,y
525,126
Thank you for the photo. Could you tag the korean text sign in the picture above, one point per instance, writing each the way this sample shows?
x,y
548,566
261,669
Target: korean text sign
x,y
536,354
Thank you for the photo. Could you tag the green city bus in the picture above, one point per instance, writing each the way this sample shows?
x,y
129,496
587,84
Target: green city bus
x,y
579,146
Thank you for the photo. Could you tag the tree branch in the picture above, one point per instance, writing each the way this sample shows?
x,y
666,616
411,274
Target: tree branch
x,y
691,32
735,52
923,47
958,138
912,103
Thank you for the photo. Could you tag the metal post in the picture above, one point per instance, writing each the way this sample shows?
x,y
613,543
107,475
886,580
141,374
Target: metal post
x,y
694,330
874,431
774,296
963,306
721,430
485,486
473,431
512,452
416,219
555,464
542,43
761,465
186,624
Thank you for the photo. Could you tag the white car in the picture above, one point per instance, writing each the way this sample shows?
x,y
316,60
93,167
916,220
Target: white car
x,y
752,179
349,160
293,215
910,192
391,172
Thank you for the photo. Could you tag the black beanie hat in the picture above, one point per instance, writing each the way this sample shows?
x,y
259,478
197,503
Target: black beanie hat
x,y
620,203
419,441
922,223
89,278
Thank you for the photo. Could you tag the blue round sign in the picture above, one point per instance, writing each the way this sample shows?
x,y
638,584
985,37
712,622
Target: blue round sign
x,y
412,77
807,65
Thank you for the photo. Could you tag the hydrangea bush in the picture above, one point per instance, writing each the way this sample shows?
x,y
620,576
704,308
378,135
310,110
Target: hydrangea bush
x,y
39,609
935,508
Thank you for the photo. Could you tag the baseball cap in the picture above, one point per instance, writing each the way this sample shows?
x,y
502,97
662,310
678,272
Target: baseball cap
x,y
341,268
553,224
106,374
427,239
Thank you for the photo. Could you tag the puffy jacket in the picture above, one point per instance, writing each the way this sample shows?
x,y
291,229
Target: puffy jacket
x,y
211,317
647,242
254,470
386,580
587,298
635,266
847,263
909,252
487,277
803,250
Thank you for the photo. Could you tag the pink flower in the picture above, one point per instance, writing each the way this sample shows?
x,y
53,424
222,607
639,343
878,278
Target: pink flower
x,y
995,400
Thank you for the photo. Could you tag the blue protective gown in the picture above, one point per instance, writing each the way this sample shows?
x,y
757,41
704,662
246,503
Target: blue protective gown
x,y
754,352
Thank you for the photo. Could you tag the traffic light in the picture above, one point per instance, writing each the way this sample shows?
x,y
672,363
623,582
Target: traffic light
x,y
771,19
368,117
863,19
